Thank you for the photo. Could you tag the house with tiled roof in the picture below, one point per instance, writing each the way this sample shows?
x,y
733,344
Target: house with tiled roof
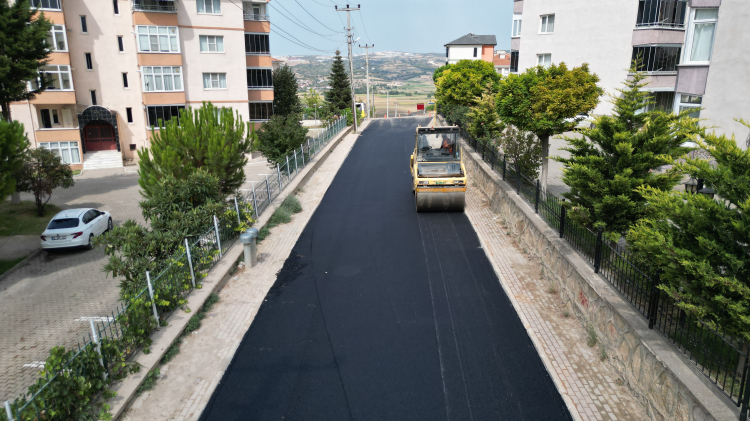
x,y
471,47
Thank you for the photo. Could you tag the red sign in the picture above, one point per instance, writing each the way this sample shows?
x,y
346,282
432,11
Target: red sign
x,y
420,106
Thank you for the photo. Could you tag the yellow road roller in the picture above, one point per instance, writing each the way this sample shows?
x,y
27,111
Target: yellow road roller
x,y
437,171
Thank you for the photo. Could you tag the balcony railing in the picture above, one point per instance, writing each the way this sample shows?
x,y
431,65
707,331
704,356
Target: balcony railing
x,y
252,16
657,59
154,6
661,14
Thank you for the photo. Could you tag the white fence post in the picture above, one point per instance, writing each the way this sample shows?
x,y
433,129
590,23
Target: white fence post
x,y
296,169
278,174
8,412
151,294
255,203
302,149
268,189
237,208
288,171
218,237
98,346
190,262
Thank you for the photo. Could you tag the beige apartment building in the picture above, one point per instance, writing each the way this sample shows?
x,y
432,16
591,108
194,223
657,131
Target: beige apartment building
x,y
696,52
119,66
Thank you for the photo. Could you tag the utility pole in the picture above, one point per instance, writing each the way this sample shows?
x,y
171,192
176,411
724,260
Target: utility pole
x,y
351,64
387,102
367,71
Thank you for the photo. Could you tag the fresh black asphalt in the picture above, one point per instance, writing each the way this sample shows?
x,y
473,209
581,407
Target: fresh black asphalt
x,y
381,313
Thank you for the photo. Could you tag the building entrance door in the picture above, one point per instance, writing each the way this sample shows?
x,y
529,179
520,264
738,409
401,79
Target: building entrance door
x,y
99,136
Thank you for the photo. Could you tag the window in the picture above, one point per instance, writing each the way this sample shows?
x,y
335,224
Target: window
x,y
257,44
129,114
68,151
54,77
161,79
84,26
57,40
475,51
155,6
125,81
261,110
689,101
662,101
89,62
49,118
214,80
544,60
253,11
514,61
548,24
657,58
46,4
661,13
116,6
209,6
211,44
259,78
158,39
700,39
446,51
516,26
120,44
163,113
93,97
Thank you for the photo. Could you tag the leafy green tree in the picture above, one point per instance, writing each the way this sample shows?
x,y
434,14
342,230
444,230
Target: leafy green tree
x,y
313,101
521,149
340,94
484,123
610,161
547,101
285,87
281,135
439,72
13,147
40,174
23,51
702,245
208,137
464,83
177,209
455,114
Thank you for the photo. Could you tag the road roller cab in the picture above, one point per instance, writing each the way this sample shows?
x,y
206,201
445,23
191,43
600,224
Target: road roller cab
x,y
438,173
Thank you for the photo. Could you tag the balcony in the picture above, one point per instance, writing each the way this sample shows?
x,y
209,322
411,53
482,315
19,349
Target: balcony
x,y
661,14
254,17
657,59
159,6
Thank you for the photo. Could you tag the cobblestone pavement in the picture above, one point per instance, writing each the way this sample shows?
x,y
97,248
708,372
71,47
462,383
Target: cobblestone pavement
x,y
592,385
42,304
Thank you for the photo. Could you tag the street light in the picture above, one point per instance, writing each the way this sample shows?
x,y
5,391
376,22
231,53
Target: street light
x,y
691,186
708,192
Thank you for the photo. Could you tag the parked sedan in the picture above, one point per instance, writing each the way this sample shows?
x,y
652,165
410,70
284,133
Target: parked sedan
x,y
76,228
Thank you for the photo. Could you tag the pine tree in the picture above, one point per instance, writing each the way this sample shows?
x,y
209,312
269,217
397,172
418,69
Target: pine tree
x,y
208,137
340,95
23,50
702,244
621,154
285,99
13,147
484,124
279,136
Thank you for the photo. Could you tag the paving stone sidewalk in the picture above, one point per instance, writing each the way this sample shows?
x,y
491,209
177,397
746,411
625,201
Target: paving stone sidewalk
x,y
592,385
186,383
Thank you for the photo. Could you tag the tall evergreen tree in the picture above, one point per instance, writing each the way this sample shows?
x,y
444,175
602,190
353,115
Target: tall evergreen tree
x,y
285,99
619,155
340,95
23,50
208,137
13,147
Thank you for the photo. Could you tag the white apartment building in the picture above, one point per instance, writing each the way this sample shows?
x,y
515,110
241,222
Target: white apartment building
x,y
696,52
119,66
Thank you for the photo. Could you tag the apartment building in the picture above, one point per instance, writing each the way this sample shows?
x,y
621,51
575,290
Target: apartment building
x,y
696,52
470,47
502,62
119,66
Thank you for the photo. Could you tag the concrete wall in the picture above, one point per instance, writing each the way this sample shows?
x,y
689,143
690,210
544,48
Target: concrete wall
x,y
664,382
598,33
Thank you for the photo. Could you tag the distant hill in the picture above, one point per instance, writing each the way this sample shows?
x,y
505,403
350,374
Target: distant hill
x,y
387,69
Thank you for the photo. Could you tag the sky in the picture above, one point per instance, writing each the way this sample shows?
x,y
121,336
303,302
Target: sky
x,y
311,27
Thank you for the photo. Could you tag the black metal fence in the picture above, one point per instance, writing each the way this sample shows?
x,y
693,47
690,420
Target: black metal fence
x,y
720,357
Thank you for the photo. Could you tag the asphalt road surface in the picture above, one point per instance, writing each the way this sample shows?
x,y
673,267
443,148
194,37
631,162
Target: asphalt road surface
x,y
381,313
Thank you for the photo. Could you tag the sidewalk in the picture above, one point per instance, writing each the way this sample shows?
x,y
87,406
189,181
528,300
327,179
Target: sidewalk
x,y
186,383
586,382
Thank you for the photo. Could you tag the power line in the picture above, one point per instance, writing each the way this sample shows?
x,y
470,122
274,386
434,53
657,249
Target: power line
x,y
316,19
303,27
361,19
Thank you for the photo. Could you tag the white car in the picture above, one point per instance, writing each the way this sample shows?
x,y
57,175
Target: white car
x,y
76,228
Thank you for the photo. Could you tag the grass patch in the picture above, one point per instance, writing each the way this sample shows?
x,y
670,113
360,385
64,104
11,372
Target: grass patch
x,y
551,289
592,337
193,324
602,353
566,313
291,204
76,172
22,219
282,215
149,382
5,265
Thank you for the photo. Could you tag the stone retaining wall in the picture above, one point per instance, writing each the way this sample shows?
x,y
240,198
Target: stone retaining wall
x,y
664,382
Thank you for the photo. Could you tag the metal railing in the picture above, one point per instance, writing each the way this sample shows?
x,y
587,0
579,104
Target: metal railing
x,y
661,14
721,358
154,6
656,59
252,16
168,289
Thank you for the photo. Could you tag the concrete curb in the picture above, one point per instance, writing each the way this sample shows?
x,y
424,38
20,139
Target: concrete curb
x,y
217,277
22,263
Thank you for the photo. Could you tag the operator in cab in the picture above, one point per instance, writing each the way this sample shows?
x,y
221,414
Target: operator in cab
x,y
447,145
